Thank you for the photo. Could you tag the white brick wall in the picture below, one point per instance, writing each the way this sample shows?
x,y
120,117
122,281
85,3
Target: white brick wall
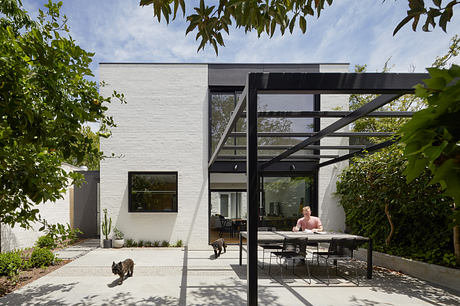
x,y
163,127
331,213
57,212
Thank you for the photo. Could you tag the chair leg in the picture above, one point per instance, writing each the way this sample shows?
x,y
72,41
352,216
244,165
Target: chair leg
x,y
308,271
270,266
263,258
327,269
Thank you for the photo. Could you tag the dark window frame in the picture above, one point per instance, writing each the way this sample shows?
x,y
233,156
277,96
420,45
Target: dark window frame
x,y
130,175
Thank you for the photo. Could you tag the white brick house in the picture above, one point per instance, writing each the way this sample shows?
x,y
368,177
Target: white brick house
x,y
164,137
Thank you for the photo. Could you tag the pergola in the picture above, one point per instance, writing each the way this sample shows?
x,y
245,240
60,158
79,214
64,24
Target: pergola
x,y
389,86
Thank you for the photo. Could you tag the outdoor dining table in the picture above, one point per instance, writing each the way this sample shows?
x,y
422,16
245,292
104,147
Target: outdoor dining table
x,y
324,237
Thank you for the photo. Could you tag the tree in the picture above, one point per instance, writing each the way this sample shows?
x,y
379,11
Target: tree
x,y
45,98
211,18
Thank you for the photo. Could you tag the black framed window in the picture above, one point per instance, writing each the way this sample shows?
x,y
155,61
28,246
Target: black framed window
x,y
152,191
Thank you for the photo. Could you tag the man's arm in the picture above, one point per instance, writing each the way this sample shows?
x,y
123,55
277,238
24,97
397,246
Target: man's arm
x,y
297,227
319,226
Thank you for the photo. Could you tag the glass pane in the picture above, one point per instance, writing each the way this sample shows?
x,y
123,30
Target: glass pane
x,y
283,199
227,215
153,192
222,106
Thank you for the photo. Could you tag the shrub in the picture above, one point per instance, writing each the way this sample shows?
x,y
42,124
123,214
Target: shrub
x,y
46,241
165,243
118,234
10,263
129,243
148,243
421,215
179,243
156,243
62,234
140,243
42,257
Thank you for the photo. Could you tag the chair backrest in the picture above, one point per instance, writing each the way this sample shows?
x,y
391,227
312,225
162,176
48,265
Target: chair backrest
x,y
342,246
290,244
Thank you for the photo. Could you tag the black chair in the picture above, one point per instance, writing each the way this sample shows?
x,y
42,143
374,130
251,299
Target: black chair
x,y
268,245
293,249
225,224
340,249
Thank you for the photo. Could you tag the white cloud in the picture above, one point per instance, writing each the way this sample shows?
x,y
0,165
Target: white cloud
x,y
355,31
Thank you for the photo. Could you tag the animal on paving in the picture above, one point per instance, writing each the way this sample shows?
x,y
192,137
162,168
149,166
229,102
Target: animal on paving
x,y
125,266
218,245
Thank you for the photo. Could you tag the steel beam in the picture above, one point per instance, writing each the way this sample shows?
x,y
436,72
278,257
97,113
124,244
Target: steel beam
x,y
261,157
312,147
300,134
327,114
360,112
230,126
362,151
337,83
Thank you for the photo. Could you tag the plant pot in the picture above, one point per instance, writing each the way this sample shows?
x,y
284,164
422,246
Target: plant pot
x,y
118,243
107,243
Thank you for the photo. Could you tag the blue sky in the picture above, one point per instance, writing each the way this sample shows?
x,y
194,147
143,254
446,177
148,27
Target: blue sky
x,y
351,31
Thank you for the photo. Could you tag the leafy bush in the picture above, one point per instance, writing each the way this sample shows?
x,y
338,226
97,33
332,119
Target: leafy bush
x,y
129,243
148,244
179,243
140,243
46,241
421,215
156,243
118,234
165,243
61,234
10,263
42,257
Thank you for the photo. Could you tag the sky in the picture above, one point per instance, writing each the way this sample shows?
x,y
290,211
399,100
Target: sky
x,y
349,31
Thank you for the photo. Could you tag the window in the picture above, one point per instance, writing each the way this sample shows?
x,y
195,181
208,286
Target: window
x,y
152,191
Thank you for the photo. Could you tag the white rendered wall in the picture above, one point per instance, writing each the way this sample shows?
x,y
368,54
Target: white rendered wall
x,y
163,127
330,212
53,212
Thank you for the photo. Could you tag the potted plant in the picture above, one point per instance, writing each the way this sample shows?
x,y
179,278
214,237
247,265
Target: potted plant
x,y
106,228
118,240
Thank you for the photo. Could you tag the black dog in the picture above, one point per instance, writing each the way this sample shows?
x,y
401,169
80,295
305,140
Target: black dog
x,y
218,245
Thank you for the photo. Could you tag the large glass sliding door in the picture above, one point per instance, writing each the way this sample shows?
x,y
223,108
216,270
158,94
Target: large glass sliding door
x,y
228,211
283,198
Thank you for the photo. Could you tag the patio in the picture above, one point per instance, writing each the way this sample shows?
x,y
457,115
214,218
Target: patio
x,y
173,276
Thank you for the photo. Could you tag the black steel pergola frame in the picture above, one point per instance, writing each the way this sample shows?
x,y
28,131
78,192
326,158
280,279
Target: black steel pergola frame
x,y
390,86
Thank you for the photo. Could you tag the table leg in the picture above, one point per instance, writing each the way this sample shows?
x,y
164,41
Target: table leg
x,y
241,249
369,259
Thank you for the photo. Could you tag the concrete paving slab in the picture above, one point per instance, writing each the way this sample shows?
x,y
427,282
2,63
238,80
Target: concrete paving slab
x,y
176,276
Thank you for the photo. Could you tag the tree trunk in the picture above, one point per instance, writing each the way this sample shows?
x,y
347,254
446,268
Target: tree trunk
x,y
457,243
392,227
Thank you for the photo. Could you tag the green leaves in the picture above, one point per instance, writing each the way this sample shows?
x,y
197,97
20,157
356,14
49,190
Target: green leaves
x,y
432,136
261,16
45,98
417,9
373,181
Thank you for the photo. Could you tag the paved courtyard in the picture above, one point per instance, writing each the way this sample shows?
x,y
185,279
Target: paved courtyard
x,y
174,276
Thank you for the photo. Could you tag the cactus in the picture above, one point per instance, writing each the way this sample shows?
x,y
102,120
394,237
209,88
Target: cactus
x,y
106,225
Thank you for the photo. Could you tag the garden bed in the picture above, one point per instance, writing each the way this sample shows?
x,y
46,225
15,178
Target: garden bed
x,y
444,276
9,284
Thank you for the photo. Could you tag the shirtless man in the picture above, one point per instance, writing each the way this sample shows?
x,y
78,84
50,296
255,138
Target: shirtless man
x,y
308,222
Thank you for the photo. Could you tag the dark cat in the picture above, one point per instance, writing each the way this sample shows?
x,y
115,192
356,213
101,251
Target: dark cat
x,y
125,266
218,245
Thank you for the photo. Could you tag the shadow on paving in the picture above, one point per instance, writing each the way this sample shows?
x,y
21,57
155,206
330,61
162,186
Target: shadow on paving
x,y
36,295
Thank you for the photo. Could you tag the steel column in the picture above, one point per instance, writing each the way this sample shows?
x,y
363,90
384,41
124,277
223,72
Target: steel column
x,y
252,191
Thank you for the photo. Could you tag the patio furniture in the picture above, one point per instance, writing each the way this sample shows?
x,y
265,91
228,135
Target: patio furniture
x,y
340,249
293,249
324,237
225,224
267,245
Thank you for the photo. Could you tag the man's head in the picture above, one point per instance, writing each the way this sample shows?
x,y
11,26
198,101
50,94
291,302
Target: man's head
x,y
306,211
